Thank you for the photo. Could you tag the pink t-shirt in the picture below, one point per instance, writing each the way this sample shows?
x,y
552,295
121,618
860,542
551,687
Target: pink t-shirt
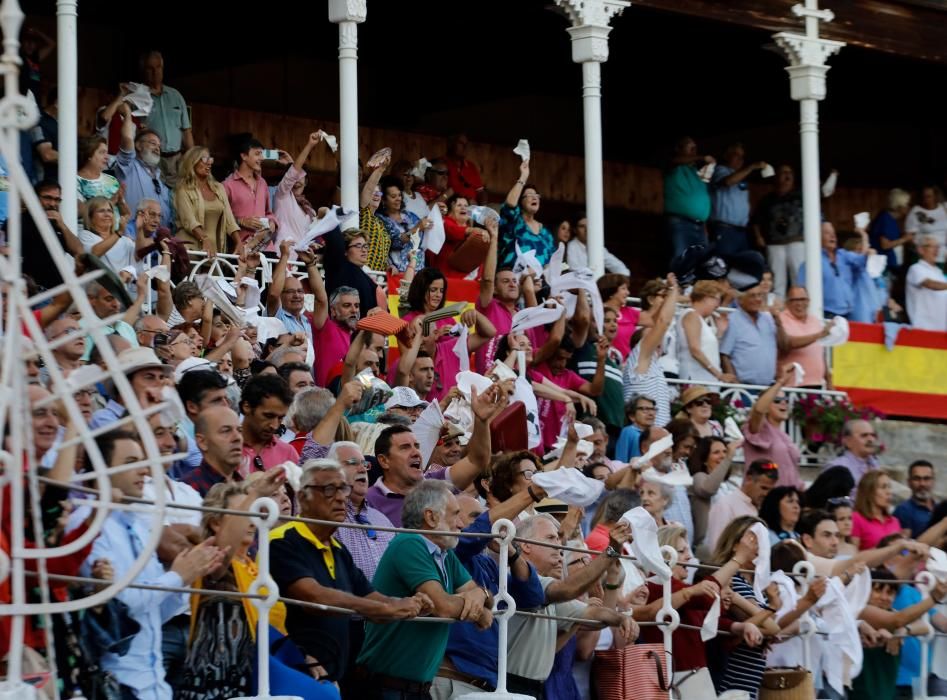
x,y
330,343
627,323
870,532
551,413
446,362
774,444
272,455
812,356
246,202
502,319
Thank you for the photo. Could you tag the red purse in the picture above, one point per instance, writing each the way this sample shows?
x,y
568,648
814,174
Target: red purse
x,y
634,672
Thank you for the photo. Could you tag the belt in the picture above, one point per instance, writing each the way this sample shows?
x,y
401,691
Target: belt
x,y
393,682
455,675
534,686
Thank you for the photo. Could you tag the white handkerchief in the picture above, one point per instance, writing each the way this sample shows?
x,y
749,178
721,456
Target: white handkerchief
x,y
459,413
427,429
644,545
319,228
213,290
798,372
838,333
569,300
460,346
936,561
570,486
526,261
554,269
501,371
420,168
583,447
435,235
522,149
84,376
266,326
761,563
535,316
293,474
159,272
173,410
657,447
266,270
858,591
876,265
253,295
633,577
731,430
467,379
862,219
678,476
707,172
331,141
140,99
708,630
828,187
767,171
582,279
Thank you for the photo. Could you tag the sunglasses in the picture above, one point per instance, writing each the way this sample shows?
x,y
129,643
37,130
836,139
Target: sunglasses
x,y
701,402
781,399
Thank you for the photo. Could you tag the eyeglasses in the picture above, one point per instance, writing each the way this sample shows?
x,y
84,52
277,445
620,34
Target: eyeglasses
x,y
358,245
701,402
647,409
354,462
527,474
51,198
330,490
362,520
840,501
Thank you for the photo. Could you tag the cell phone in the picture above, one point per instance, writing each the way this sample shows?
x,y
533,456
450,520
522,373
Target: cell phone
x,y
161,339
270,154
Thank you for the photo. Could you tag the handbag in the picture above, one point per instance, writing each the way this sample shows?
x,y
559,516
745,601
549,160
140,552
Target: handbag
x,y
634,672
783,683
694,685
470,254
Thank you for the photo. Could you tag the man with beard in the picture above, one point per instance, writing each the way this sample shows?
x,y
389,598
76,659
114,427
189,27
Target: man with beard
x,y
37,261
915,513
264,403
136,166
404,657
333,320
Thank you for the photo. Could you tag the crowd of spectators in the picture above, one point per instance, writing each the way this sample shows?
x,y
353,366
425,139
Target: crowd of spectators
x,y
322,411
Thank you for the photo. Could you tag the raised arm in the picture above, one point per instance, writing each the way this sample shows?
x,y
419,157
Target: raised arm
x,y
370,184
485,407
489,269
513,197
128,128
275,291
762,404
350,360
314,138
654,337
485,330
320,304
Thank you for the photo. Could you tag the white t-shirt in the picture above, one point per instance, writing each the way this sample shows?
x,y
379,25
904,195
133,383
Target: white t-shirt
x,y
929,222
926,307
120,255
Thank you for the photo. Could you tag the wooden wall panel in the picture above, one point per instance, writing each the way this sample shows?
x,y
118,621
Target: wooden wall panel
x,y
560,178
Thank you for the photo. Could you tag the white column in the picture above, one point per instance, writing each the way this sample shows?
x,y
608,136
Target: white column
x,y
589,33
66,61
348,14
807,54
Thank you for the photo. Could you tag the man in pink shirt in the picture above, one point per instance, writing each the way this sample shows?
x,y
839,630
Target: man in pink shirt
x,y
803,331
264,403
333,321
248,194
551,413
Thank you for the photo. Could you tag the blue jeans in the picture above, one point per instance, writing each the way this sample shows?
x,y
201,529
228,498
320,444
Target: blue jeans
x,y
684,233
729,239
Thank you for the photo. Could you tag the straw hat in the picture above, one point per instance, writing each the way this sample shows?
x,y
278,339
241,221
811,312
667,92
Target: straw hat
x,y
692,393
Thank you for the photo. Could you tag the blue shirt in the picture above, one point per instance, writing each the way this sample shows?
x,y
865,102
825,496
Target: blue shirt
x,y
731,205
294,324
629,443
913,515
470,650
751,347
838,280
121,540
514,231
142,182
910,667
885,227
114,411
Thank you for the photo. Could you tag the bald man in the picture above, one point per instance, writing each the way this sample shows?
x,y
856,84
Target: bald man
x,y
220,440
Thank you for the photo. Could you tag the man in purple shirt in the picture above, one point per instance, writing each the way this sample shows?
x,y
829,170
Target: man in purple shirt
x,y
861,446
366,546
399,455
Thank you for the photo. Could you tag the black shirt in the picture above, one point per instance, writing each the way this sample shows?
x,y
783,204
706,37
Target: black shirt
x,y
339,272
37,262
294,556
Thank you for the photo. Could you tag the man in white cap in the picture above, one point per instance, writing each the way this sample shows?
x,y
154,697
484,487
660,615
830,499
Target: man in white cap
x,y
406,402
147,375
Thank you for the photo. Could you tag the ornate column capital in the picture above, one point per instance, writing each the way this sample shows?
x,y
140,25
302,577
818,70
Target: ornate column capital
x,y
347,11
807,53
590,26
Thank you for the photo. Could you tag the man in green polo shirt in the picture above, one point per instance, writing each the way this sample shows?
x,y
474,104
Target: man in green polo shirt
x,y
400,659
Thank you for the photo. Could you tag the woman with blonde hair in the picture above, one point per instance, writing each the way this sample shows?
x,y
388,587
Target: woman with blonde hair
x,y
202,210
100,236
699,330
871,520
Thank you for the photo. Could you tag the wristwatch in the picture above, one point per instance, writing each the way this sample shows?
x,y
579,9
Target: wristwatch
x,y
612,553
514,555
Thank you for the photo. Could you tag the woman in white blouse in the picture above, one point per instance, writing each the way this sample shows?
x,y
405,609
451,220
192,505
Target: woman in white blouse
x,y
699,331
100,237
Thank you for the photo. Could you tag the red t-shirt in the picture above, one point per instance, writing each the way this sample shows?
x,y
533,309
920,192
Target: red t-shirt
x,y
330,343
464,178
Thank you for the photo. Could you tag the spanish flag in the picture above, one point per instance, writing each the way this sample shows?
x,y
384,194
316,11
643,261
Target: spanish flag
x,y
909,380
